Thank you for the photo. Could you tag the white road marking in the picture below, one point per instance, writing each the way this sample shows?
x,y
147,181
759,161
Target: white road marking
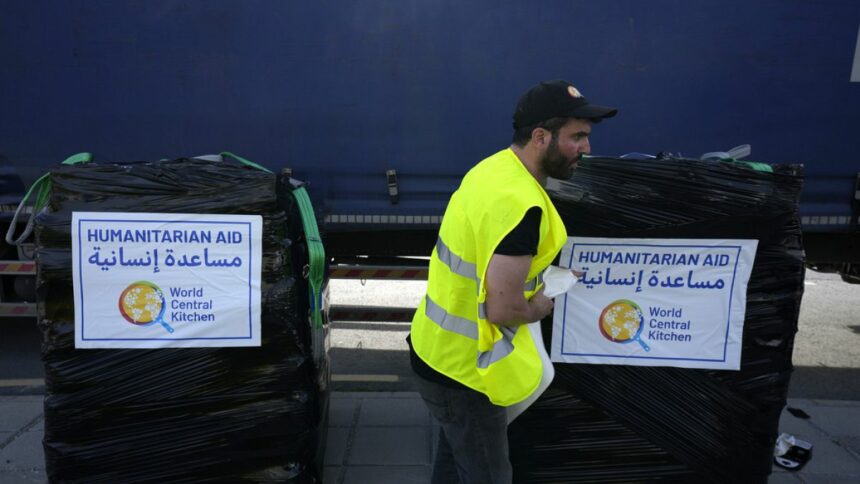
x,y
809,283
364,378
28,382
22,382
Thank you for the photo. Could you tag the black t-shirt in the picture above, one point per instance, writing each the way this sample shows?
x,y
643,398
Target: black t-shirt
x,y
522,240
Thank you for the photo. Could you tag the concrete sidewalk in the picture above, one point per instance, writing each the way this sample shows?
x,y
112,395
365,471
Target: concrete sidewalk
x,y
388,438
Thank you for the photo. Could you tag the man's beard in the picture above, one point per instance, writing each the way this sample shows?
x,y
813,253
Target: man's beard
x,y
554,163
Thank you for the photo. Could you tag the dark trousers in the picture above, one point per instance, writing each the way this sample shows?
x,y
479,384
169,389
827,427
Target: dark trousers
x,y
473,438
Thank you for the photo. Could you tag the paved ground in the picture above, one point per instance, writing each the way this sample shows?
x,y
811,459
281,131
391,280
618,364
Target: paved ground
x,y
381,436
372,356
834,430
368,356
388,438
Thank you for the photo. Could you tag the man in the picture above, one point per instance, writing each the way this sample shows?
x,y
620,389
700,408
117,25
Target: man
x,y
500,231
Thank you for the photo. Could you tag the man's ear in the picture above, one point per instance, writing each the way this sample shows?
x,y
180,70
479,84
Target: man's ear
x,y
540,137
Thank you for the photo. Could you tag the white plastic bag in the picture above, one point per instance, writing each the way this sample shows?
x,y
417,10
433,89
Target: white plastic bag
x,y
557,281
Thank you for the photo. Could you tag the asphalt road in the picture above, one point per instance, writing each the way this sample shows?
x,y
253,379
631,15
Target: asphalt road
x,y
827,345
373,356
826,348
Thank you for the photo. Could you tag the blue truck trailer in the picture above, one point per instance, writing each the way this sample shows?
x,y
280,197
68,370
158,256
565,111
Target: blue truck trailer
x,y
382,106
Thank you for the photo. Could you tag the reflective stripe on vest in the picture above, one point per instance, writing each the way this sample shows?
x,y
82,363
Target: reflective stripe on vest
x,y
533,284
469,329
454,262
466,269
446,321
501,348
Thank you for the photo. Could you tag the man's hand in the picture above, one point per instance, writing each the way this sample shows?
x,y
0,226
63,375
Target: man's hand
x,y
540,305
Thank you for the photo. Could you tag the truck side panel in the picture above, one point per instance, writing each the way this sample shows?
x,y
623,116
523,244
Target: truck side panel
x,y
343,91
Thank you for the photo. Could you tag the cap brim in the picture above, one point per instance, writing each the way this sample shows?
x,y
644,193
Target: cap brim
x,y
593,111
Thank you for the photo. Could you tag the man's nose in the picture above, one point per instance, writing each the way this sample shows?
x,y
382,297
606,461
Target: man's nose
x,y
586,147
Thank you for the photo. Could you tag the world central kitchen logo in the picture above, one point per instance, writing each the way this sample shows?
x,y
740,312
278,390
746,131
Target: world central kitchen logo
x,y
622,321
142,303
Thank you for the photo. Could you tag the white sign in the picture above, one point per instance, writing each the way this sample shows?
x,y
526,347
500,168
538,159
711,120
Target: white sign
x,y
654,302
166,280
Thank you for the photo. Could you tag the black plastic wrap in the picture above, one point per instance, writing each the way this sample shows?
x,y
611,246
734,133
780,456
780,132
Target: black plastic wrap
x,y
252,414
608,423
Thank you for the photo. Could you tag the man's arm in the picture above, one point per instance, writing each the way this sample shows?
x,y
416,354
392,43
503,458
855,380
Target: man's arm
x,y
506,305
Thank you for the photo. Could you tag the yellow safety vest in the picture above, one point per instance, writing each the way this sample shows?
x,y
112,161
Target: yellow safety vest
x,y
450,331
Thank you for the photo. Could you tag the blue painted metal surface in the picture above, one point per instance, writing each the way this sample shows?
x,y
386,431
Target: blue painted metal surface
x,y
342,91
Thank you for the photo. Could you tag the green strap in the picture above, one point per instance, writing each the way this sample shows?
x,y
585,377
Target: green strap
x,y
42,187
316,253
44,182
244,161
754,165
79,158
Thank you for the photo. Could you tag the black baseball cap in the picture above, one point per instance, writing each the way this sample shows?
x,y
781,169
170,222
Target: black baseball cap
x,y
557,99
